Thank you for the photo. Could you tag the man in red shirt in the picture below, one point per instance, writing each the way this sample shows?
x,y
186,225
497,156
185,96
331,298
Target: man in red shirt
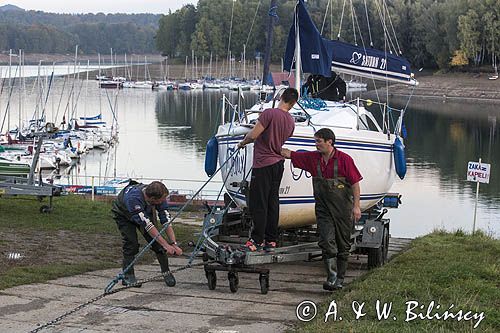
x,y
270,132
336,192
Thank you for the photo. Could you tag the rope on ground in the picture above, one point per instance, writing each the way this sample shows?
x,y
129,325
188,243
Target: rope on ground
x,y
95,299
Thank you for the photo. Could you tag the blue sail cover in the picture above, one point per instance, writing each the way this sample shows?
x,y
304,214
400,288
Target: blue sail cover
x,y
99,116
315,55
319,55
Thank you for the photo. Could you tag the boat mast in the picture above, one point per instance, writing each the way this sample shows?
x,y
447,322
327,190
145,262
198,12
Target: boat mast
x,y
298,64
269,43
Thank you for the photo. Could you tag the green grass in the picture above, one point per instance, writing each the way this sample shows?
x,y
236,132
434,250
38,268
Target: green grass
x,y
447,268
88,223
71,212
38,274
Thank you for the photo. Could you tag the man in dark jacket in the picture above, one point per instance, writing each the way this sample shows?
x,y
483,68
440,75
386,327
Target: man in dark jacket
x,y
137,207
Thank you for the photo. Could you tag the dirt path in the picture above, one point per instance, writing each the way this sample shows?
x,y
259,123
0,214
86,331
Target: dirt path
x,y
60,246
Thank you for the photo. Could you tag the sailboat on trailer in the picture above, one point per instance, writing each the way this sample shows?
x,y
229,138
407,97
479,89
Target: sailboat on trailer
x,y
376,148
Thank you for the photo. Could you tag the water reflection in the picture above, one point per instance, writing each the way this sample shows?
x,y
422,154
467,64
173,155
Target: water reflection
x,y
200,111
442,138
163,136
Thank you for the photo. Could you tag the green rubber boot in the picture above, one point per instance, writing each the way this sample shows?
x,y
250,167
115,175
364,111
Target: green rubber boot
x,y
331,273
167,275
129,277
341,270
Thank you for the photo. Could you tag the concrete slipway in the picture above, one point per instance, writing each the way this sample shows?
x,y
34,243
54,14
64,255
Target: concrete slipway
x,y
188,307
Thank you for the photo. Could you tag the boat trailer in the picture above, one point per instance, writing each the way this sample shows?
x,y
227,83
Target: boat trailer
x,y
12,185
370,237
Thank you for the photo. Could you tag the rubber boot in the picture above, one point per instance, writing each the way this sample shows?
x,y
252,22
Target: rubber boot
x,y
341,270
331,273
129,277
167,275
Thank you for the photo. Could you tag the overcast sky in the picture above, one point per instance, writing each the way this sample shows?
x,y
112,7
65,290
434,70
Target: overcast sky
x,y
104,6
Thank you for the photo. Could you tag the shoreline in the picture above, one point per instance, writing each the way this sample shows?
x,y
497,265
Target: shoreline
x,y
448,86
451,86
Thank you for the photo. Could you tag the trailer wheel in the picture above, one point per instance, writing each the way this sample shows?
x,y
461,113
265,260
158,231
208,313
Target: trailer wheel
x,y
233,281
211,279
264,283
378,257
45,209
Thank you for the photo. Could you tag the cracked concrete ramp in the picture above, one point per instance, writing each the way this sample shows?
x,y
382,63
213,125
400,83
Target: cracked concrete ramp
x,y
188,307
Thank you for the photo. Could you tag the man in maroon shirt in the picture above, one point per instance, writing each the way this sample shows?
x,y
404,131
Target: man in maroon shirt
x,y
270,132
336,193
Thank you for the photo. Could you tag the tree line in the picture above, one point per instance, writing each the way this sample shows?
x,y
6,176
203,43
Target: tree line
x,y
40,32
431,33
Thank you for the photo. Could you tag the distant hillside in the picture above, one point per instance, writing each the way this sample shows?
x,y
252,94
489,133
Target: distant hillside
x,y
9,7
41,32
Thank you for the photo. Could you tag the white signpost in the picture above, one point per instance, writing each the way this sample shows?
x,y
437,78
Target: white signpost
x,y
480,173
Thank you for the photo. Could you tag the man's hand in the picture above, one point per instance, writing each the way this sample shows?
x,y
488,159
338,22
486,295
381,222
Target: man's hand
x,y
241,145
178,250
286,153
170,249
356,213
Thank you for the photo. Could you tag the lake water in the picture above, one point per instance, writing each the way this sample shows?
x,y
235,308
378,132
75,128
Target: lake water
x,y
163,136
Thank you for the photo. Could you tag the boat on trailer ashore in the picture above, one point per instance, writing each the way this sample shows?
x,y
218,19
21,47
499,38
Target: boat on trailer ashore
x,y
373,141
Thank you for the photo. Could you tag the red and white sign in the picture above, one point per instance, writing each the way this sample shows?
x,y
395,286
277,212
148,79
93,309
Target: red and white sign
x,y
478,172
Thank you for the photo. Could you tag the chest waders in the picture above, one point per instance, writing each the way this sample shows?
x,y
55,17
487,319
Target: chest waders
x,y
130,242
334,204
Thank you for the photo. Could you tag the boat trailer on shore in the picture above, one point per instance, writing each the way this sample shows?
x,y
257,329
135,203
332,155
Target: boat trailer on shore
x,y
225,230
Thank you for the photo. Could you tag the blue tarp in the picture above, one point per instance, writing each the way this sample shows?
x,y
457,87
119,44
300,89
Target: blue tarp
x,y
320,55
315,55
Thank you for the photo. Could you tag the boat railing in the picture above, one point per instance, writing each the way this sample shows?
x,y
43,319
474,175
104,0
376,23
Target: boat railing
x,y
389,124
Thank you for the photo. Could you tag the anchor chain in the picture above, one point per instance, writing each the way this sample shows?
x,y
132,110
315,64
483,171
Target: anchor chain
x,y
110,292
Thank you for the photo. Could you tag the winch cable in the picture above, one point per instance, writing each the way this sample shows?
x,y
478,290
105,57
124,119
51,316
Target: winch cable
x,y
120,276
101,296
109,289
205,234
201,238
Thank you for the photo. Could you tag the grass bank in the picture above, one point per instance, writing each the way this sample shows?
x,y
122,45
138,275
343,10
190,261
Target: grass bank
x,y
450,269
77,237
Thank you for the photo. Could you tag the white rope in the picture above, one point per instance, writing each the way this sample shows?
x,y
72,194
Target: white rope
x,y
341,19
353,27
368,24
392,27
324,19
251,27
230,31
381,12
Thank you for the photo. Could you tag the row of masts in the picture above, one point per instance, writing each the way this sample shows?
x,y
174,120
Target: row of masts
x,y
64,104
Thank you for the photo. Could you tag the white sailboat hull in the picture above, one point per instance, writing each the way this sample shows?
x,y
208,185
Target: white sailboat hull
x,y
372,152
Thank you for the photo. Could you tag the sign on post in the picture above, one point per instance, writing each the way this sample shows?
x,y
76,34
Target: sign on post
x,y
478,172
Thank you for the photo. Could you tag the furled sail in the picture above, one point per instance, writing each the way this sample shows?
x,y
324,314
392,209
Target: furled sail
x,y
320,55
